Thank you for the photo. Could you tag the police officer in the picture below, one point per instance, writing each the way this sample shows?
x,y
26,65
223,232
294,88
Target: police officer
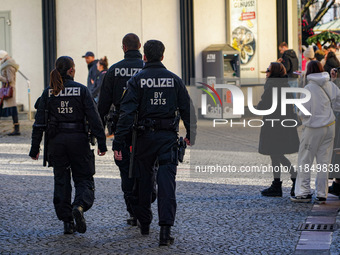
x,y
67,103
111,93
155,95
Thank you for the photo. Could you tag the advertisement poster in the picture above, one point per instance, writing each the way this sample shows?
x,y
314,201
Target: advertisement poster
x,y
243,35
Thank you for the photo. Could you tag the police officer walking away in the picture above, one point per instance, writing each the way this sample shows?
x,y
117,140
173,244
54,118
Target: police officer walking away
x,y
112,90
155,95
63,107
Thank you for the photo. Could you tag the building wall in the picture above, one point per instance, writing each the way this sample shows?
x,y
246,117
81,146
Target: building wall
x,y
267,38
293,40
209,27
106,22
99,25
26,39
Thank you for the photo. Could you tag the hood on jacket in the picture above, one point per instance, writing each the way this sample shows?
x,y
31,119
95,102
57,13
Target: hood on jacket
x,y
290,53
318,78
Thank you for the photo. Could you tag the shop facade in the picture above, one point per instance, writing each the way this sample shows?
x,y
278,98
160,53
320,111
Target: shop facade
x,y
35,32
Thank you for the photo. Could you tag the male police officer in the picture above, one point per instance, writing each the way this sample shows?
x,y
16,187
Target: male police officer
x,y
156,95
111,93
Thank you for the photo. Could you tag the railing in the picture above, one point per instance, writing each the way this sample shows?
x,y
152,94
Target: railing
x,y
28,93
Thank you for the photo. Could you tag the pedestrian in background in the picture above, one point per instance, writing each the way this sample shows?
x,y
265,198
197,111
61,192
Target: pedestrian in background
x,y
8,69
309,55
92,67
68,103
335,187
331,62
317,135
319,55
102,65
290,62
335,49
275,139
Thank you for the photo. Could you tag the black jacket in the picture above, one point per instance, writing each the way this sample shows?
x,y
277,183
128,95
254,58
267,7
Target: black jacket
x,y
71,105
291,63
115,81
93,73
276,139
155,93
97,85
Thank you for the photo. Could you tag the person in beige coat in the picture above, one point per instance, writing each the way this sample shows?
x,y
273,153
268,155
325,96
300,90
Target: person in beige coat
x,y
8,69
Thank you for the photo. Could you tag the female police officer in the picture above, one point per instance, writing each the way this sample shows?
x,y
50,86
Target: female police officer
x,y
63,106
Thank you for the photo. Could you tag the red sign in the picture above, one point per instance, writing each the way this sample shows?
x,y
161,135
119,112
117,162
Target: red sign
x,y
247,15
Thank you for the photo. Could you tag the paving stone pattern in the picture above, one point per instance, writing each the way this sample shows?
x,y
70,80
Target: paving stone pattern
x,y
214,215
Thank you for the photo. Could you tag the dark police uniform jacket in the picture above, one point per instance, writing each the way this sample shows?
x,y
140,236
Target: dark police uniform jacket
x,y
156,94
71,105
115,81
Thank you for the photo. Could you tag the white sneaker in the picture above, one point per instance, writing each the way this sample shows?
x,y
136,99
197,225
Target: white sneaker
x,y
301,199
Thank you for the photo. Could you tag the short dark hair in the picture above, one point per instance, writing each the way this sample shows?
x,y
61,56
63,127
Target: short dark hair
x,y
131,41
153,50
283,44
314,66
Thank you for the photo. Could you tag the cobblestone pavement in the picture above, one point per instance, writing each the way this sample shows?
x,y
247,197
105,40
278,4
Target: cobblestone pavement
x,y
222,215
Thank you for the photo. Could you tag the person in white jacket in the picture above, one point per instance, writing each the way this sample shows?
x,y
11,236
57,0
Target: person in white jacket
x,y
317,135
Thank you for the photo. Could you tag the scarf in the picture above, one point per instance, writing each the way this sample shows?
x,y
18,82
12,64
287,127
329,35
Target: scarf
x,y
6,62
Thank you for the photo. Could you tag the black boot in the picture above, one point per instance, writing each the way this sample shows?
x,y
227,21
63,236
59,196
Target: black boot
x,y
144,229
275,190
165,238
132,221
292,190
334,189
69,227
78,215
16,130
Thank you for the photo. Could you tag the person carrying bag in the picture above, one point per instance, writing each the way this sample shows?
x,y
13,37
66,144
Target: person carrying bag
x,y
5,92
8,69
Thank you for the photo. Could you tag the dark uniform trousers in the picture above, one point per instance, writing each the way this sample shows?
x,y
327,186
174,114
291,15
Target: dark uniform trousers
x,y
126,182
158,145
70,154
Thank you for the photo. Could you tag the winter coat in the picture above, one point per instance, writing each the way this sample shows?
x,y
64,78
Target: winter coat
x,y
275,139
291,63
319,105
8,69
93,73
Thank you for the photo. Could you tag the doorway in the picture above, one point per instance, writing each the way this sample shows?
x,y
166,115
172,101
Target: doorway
x,y
5,31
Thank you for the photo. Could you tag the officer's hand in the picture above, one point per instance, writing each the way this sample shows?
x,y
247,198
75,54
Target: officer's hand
x,y
118,155
101,153
187,141
36,157
279,60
